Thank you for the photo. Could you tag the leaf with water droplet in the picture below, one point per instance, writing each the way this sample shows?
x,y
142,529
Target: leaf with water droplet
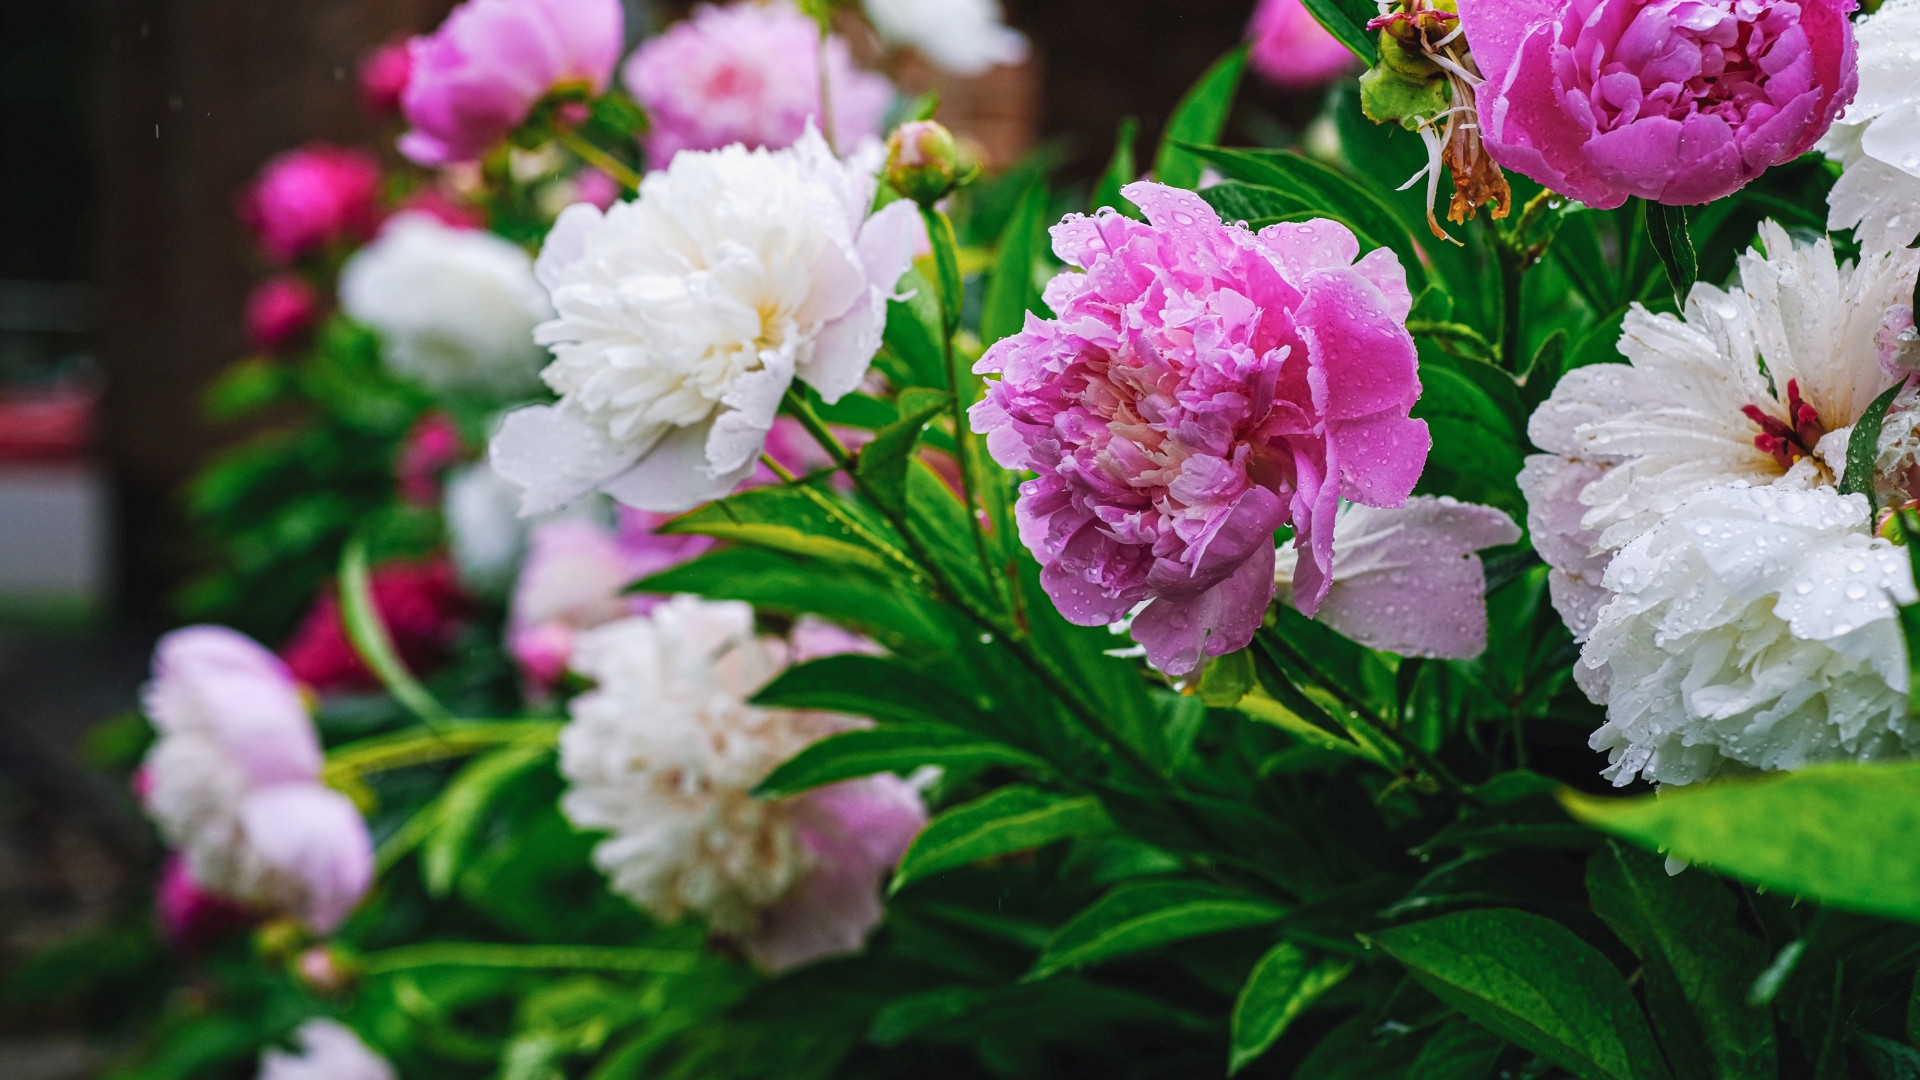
x,y
1864,445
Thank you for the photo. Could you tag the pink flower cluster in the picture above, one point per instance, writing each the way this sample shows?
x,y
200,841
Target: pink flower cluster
x,y
309,199
421,604
1677,101
280,310
234,783
1201,387
748,73
479,76
1290,48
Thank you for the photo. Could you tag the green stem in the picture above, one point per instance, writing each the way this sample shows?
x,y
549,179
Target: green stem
x,y
827,505
404,749
586,151
554,957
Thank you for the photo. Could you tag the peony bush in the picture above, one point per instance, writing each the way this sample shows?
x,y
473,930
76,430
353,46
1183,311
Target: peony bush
x,y
746,601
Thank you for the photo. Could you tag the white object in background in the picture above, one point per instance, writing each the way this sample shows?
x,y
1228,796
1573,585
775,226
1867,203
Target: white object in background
x,y
53,541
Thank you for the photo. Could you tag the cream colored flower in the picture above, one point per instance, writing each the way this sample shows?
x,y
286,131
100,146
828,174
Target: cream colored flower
x,y
1877,139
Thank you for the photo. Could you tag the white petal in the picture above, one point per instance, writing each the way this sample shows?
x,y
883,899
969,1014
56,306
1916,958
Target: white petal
x,y
675,475
554,456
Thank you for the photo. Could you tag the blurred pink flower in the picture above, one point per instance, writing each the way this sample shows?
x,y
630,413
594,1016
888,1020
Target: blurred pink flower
x,y
233,784
384,73
329,1050
597,188
478,77
447,209
1676,101
1406,579
279,311
1292,49
748,73
422,605
308,199
855,832
1202,386
192,917
429,450
574,578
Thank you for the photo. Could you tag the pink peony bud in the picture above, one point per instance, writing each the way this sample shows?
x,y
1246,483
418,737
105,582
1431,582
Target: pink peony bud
x,y
308,199
479,76
1202,386
421,604
311,852
1677,101
1292,49
383,78
217,684
748,73
430,449
279,311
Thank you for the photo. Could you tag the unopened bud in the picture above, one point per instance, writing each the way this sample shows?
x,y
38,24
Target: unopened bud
x,y
923,161
323,970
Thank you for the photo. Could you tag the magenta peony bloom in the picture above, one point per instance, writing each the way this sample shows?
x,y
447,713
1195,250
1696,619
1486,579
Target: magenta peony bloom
x,y
477,77
855,831
384,74
1677,101
1292,49
748,73
307,199
1202,386
429,450
421,604
279,311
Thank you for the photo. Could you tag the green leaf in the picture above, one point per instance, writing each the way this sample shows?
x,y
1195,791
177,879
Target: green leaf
x,y
913,336
1531,981
898,748
1667,229
946,261
787,583
1823,833
370,639
1281,987
1013,818
461,808
1347,20
1462,1050
1698,963
1887,1059
1543,372
1864,445
874,686
1010,291
1909,521
1200,117
882,463
789,519
1120,172
1146,915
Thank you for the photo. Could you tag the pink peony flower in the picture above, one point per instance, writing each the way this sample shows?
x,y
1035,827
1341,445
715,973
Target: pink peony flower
x,y
279,311
430,449
1202,386
1406,579
192,917
328,1050
574,579
384,74
748,73
1292,49
308,199
1678,101
421,603
855,832
233,784
478,77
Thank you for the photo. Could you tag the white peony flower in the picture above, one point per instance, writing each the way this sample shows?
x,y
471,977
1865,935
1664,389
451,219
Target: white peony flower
x,y
1406,579
1754,628
329,1050
685,315
664,755
1877,140
484,529
965,37
1694,408
455,308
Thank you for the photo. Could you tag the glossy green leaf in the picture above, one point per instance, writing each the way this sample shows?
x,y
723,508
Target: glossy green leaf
x,y
1667,228
1200,117
1146,915
913,336
1010,290
882,463
899,748
1283,984
1698,963
461,808
792,585
787,519
1460,1050
1863,445
1257,204
1121,171
1009,819
874,686
1531,981
1347,21
368,633
1824,833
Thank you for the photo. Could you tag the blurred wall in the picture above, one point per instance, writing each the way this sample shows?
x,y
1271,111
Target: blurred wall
x,y
188,97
